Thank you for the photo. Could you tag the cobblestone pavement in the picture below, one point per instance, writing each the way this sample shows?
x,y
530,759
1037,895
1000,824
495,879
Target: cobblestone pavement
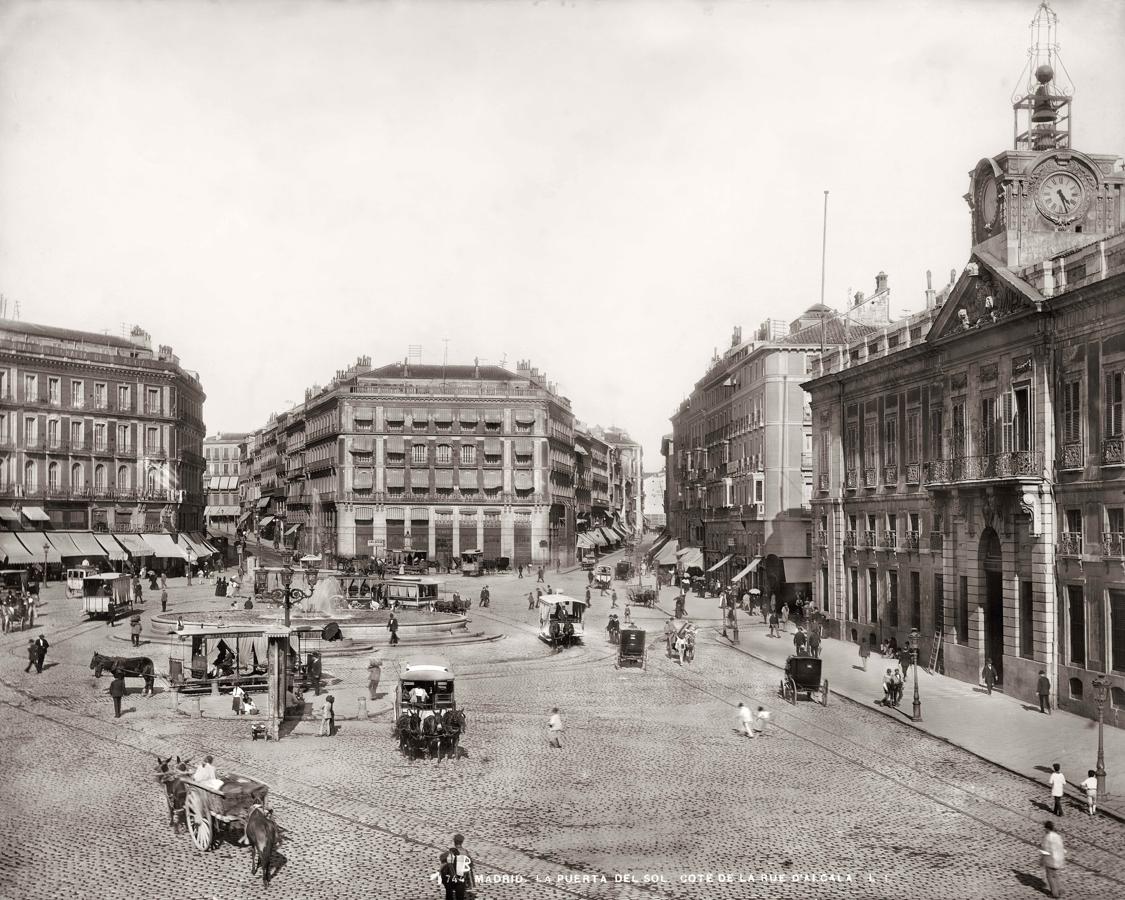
x,y
652,781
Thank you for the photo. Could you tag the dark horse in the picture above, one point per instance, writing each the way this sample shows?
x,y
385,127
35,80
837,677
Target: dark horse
x,y
261,835
174,791
453,724
132,666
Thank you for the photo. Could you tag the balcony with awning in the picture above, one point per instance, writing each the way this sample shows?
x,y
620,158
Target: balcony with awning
x,y
467,478
420,479
395,479
493,481
523,481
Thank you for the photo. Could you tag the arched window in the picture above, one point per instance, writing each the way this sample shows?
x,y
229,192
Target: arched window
x,y
468,454
77,482
152,482
53,476
99,477
29,480
419,453
444,454
123,480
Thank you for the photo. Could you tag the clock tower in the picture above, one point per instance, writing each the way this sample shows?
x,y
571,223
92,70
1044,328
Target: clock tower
x,y
1043,197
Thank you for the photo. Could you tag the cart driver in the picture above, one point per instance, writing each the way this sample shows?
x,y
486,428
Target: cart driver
x,y
204,774
418,695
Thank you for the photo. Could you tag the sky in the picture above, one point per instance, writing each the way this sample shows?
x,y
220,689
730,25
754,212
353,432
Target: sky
x,y
602,188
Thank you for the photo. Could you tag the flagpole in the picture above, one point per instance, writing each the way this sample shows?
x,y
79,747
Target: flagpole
x,y
823,256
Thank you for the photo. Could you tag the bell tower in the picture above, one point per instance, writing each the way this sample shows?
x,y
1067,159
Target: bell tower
x,y
1043,197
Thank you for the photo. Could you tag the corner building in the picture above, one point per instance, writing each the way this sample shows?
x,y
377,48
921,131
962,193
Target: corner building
x,y
422,460
970,478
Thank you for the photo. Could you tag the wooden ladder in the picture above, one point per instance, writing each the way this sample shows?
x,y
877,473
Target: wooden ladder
x,y
935,652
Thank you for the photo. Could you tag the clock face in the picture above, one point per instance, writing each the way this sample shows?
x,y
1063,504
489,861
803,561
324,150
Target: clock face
x,y
988,200
1059,197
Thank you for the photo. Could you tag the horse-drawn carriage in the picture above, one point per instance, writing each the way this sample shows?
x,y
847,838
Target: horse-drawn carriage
x,y
426,718
623,571
640,594
455,604
632,649
603,577
802,676
560,619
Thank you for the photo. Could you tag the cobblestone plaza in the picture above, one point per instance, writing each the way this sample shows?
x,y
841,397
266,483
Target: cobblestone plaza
x,y
653,795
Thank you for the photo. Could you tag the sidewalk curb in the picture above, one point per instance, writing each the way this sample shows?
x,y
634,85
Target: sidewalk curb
x,y
1108,813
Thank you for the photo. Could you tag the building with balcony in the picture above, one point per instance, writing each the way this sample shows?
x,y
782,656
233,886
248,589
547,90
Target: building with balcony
x,y
425,460
97,433
222,454
969,478
738,463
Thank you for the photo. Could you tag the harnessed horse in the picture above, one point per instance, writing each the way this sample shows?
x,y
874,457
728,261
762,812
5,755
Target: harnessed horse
x,y
174,791
131,666
261,834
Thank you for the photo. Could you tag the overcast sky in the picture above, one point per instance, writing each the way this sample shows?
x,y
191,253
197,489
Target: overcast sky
x,y
602,188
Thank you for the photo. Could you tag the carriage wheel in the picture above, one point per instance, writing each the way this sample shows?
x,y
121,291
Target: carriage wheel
x,y
200,826
824,693
790,690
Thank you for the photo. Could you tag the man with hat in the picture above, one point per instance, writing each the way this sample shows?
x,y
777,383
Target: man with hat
x,y
374,673
32,654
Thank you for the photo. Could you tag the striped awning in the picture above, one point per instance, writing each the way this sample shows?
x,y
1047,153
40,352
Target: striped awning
x,y
14,552
419,478
361,445
493,480
586,542
36,514
493,447
523,447
34,541
467,478
443,478
394,415
751,566
62,542
524,416
264,521
722,562
9,514
164,547
419,416
523,481
396,444
364,414
493,416
468,416
87,544
199,548
112,549
395,478
136,545
444,416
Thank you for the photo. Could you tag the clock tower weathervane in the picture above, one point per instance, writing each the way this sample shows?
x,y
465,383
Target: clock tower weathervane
x,y
1042,197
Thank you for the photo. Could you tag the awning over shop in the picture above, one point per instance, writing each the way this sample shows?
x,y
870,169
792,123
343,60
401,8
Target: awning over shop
x,y
524,416
263,502
395,415
164,547
197,547
659,545
798,569
690,557
492,447
468,416
611,536
367,514
752,566
62,542
594,535
244,517
667,554
34,541
36,514
87,544
199,539
292,529
136,545
585,542
14,553
216,511
8,514
264,521
580,449
722,562
112,549
443,416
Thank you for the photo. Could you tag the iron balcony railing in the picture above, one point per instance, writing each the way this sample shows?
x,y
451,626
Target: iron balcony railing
x,y
998,466
1070,544
822,482
913,473
1113,451
852,479
889,540
1113,544
870,476
910,540
1073,456
869,539
937,541
849,538
890,474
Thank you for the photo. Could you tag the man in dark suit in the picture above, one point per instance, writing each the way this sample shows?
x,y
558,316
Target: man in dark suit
x,y
117,691
1043,689
31,654
41,646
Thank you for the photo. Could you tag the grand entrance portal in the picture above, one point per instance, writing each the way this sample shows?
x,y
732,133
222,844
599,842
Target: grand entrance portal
x,y
992,564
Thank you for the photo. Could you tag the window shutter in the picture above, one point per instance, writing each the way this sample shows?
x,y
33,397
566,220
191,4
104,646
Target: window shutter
x,y
1008,421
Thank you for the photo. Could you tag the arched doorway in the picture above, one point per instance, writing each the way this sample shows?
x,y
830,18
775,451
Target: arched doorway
x,y
992,577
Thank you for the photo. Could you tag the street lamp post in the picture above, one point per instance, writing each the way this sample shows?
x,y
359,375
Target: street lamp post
x,y
914,637
46,548
1101,694
287,583
190,560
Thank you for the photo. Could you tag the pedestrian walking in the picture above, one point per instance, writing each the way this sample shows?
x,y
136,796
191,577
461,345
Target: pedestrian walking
x,y
117,691
462,862
613,599
864,652
745,720
814,643
1058,785
1090,786
765,613
1043,689
1052,854
988,675
31,654
163,600
587,596
590,576
530,600
555,726
519,569
135,631
669,634
374,673
41,646
237,696
760,718
163,581
784,616
799,642
539,579
327,717
392,627
774,625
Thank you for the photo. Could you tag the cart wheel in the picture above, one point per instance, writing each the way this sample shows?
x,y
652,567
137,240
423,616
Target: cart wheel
x,y
791,692
199,821
824,693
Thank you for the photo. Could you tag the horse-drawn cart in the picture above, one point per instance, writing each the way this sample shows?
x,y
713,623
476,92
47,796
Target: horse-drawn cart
x,y
209,809
631,650
802,676
641,595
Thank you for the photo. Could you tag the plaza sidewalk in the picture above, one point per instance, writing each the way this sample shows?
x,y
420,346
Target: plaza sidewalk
x,y
1004,730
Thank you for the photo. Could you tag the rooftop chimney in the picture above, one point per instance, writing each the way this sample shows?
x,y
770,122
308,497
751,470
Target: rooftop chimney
x,y
858,299
880,282
406,367
931,294
736,336
476,367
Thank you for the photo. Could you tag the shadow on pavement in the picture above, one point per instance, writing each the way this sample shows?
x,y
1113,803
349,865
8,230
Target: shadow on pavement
x,y
1031,881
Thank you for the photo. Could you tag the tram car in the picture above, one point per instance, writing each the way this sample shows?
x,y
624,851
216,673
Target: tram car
x,y
603,576
560,618
413,591
221,655
107,595
75,575
426,718
472,563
